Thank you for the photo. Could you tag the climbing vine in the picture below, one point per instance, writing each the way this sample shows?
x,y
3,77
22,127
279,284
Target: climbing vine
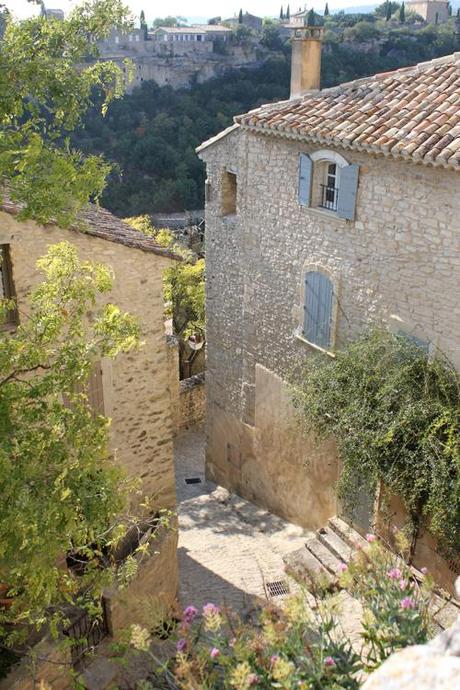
x,y
395,414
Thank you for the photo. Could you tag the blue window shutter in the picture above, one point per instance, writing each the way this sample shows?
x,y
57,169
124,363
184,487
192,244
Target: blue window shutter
x,y
348,187
305,177
319,294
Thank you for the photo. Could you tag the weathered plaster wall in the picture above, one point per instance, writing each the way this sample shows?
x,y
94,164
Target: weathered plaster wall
x,y
136,395
398,263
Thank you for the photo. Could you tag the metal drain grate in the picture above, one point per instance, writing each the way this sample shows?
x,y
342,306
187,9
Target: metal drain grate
x,y
193,480
277,588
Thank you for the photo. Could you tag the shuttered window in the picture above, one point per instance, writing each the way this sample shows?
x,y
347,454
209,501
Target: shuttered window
x,y
305,178
319,298
327,184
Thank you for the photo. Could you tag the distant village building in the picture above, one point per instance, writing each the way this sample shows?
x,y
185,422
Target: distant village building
x,y
134,390
324,213
196,33
431,11
52,13
250,20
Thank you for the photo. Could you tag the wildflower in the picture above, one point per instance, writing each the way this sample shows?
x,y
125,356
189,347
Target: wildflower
x,y
370,538
402,584
274,658
231,642
210,610
189,614
212,617
181,645
140,638
329,661
394,574
253,679
407,603
342,567
239,678
214,653
424,570
282,669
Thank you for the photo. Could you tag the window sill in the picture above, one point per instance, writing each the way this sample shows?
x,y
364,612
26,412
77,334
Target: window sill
x,y
324,213
300,337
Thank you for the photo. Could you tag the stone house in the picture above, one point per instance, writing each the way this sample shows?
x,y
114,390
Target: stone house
x,y
324,213
431,11
134,389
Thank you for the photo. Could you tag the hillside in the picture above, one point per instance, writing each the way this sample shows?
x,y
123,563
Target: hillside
x,y
151,134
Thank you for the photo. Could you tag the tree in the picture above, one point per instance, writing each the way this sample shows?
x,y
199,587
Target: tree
x,y
143,24
311,18
240,16
326,10
61,490
388,11
281,12
402,14
46,85
288,13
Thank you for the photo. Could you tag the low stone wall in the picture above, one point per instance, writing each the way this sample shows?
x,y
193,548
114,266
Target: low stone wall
x,y
49,662
152,593
192,402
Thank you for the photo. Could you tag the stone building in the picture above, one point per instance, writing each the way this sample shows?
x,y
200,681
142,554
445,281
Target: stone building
x,y
324,213
133,390
431,11
251,21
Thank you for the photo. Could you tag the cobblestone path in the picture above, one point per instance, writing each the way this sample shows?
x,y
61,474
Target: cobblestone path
x,y
229,549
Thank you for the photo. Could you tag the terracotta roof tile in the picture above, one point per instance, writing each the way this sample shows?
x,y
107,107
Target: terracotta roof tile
x,y
99,222
413,112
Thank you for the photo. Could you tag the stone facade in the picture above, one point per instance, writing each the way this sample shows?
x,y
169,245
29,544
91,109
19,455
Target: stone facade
x,y
397,264
188,396
136,386
432,11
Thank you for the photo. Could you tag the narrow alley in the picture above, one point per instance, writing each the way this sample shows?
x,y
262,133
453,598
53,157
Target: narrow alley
x,y
230,551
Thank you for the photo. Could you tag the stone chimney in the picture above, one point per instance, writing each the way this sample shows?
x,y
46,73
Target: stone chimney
x,y
306,58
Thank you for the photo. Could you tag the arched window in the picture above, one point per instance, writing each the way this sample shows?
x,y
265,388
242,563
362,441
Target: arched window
x,y
318,309
328,182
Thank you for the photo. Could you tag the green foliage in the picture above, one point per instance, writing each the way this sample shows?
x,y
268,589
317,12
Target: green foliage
x,y
240,16
169,21
402,13
45,88
396,416
61,490
152,133
301,645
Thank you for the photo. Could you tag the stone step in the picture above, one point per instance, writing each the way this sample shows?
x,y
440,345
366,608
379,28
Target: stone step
x,y
347,533
324,555
101,674
304,567
335,544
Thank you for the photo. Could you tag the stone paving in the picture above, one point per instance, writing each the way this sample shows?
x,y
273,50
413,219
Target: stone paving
x,y
228,548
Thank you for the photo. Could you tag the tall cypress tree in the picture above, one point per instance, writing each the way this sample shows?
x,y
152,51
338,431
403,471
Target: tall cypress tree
x,y
388,12
288,13
402,14
281,13
311,20
240,17
326,10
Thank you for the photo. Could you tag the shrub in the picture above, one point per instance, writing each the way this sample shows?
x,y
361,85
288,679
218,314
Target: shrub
x,y
301,645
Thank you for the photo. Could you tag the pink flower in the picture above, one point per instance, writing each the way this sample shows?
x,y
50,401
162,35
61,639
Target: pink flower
x,y
274,658
424,570
253,679
394,574
210,610
407,603
214,653
329,661
342,567
370,538
181,645
190,613
402,584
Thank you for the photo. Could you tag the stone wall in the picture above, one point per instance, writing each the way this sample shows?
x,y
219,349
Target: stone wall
x,y
192,402
136,385
397,264
49,662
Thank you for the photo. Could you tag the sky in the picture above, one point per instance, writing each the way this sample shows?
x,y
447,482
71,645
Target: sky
x,y
194,8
